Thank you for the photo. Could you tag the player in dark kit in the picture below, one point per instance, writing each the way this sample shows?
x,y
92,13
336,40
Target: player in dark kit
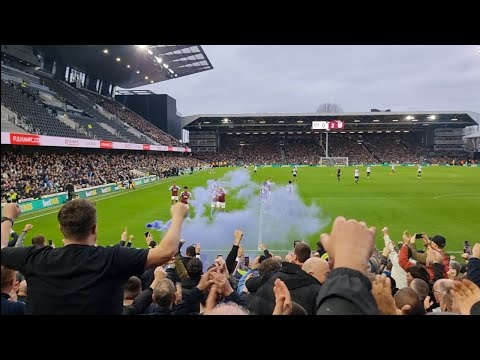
x,y
339,173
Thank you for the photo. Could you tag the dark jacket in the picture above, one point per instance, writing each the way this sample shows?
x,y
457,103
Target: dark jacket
x,y
162,311
346,292
140,304
473,270
303,289
12,307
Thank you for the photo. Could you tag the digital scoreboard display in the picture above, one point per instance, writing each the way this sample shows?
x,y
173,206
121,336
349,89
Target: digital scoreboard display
x,y
327,125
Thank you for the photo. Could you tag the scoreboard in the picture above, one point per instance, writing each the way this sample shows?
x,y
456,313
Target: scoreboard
x,y
327,125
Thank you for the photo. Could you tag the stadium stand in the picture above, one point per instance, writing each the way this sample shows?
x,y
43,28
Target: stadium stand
x,y
36,115
132,119
41,173
307,149
71,95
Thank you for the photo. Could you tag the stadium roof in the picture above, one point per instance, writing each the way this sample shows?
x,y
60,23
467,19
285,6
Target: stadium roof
x,y
408,120
130,66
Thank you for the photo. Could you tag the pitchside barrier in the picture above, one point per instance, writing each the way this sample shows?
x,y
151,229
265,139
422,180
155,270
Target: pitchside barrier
x,y
60,198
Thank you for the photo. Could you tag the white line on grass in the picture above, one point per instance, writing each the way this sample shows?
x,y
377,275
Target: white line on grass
x,y
107,197
475,193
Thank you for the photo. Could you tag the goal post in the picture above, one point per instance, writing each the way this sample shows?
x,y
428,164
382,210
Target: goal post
x,y
333,161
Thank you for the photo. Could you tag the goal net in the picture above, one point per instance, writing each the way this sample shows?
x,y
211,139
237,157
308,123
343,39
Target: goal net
x,y
333,161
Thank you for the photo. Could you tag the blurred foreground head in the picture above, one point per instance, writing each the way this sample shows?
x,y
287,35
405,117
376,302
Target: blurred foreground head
x,y
229,308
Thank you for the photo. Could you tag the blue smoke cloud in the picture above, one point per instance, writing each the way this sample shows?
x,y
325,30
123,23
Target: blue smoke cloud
x,y
285,217
159,225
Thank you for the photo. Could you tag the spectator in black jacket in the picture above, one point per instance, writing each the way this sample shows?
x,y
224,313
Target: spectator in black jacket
x,y
81,278
8,278
302,286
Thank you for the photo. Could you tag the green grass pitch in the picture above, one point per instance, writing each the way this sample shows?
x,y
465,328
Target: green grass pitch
x,y
445,200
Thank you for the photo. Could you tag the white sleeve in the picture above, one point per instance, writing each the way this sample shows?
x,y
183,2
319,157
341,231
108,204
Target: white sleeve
x,y
389,242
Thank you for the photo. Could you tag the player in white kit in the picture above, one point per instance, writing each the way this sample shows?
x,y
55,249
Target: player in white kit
x,y
393,168
357,175
255,169
368,172
419,171
289,187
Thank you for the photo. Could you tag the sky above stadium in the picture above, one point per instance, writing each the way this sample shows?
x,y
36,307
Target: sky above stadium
x,y
261,79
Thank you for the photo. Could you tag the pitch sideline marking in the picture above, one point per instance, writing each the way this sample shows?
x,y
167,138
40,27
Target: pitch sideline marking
x,y
436,197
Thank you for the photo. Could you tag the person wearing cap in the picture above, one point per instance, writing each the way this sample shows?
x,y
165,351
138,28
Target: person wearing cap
x,y
436,243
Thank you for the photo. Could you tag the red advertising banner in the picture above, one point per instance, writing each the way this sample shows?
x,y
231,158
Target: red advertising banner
x,y
146,147
24,139
106,144
170,148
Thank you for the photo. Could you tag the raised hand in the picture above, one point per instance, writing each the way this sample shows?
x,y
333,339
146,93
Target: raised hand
x,y
205,280
476,251
262,247
197,248
466,294
427,303
221,266
179,211
28,227
237,237
222,283
124,235
283,301
350,244
159,273
382,292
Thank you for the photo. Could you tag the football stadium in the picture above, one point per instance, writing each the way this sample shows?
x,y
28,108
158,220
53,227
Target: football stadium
x,y
115,203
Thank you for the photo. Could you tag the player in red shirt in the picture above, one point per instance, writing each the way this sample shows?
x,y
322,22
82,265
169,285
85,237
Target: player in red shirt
x,y
185,198
221,199
174,189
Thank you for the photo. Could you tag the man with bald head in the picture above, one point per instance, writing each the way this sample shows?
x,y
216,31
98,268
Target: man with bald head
x,y
229,308
420,287
440,288
408,302
318,268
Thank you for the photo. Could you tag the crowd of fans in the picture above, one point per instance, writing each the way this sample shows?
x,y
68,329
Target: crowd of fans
x,y
135,120
345,274
38,174
307,149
